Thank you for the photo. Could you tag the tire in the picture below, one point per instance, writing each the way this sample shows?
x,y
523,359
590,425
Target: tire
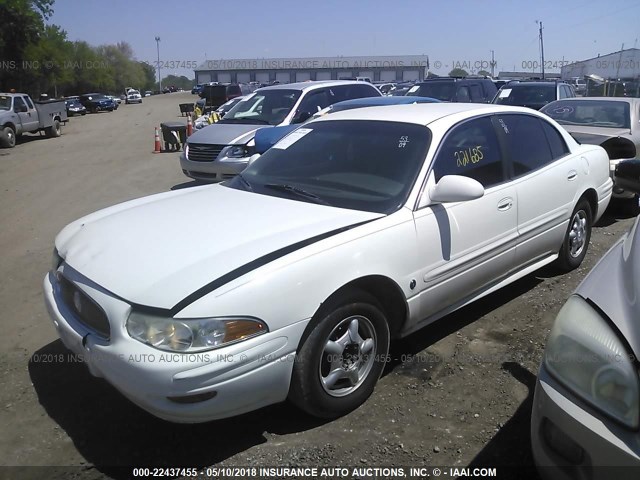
x,y
339,362
7,137
97,110
54,130
576,239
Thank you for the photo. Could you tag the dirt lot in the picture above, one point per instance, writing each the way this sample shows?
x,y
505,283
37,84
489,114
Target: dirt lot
x,y
457,394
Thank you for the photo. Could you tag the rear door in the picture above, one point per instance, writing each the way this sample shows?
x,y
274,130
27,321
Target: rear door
x,y
545,175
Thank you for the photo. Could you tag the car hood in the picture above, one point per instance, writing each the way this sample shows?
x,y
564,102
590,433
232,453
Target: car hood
x,y
614,286
226,134
157,250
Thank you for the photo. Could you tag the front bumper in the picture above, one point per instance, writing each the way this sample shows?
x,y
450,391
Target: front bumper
x,y
245,376
601,448
215,171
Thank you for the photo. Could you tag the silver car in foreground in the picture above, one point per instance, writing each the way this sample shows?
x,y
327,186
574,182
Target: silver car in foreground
x,y
585,421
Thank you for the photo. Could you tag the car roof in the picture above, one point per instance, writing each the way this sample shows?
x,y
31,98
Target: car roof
x,y
376,101
612,99
536,82
312,85
421,114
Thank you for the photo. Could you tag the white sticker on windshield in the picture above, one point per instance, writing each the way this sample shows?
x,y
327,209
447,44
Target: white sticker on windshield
x,y
413,89
504,93
292,138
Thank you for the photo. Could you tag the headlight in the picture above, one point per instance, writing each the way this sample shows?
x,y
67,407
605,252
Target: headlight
x,y
192,335
56,261
186,151
237,151
587,356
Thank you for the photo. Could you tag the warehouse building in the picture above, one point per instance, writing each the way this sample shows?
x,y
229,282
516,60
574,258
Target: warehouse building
x,y
624,64
288,70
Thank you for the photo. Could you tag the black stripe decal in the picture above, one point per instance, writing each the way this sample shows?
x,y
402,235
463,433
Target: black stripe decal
x,y
243,270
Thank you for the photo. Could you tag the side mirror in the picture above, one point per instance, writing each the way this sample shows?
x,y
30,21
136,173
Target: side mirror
x,y
301,117
455,188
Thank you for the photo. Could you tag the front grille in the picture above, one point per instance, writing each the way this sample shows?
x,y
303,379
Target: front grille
x,y
202,152
84,308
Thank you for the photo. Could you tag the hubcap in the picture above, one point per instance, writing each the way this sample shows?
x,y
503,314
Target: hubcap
x,y
578,234
348,356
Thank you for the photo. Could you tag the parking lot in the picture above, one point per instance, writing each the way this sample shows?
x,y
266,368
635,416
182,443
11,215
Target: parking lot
x,y
458,393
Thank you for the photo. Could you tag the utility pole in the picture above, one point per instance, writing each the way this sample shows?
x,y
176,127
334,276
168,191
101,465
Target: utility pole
x,y
615,85
159,80
493,65
541,49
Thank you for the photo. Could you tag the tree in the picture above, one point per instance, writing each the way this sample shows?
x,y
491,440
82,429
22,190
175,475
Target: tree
x,y
484,73
48,67
180,82
22,24
458,72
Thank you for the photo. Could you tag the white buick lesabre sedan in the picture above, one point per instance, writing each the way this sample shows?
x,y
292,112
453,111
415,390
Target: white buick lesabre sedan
x,y
289,280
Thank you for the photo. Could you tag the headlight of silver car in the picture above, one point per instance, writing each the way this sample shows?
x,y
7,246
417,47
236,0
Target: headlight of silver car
x,y
192,335
586,355
242,151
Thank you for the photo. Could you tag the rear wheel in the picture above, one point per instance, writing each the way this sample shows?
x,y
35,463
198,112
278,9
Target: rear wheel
x,y
340,361
576,240
54,130
7,137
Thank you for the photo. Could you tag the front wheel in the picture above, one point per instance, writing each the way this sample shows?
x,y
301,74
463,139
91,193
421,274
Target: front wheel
x,y
576,239
340,361
7,137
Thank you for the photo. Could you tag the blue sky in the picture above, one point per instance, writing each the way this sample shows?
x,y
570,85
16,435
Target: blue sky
x,y
448,32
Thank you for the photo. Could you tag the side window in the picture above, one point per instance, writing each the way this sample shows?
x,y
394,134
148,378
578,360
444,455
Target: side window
x,y
471,149
314,102
29,104
526,141
18,104
563,92
476,93
572,91
556,142
463,95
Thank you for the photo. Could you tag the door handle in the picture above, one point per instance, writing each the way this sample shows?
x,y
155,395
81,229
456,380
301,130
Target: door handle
x,y
572,175
505,204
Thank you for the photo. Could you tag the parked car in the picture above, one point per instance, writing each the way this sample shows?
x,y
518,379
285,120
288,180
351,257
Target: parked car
x,y
215,95
611,122
374,221
579,84
222,150
19,114
97,102
170,89
197,89
225,107
265,138
476,90
114,101
148,93
585,420
74,107
385,88
533,94
133,97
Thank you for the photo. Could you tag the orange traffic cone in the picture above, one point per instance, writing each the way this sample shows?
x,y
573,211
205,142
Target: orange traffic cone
x,y
157,147
189,125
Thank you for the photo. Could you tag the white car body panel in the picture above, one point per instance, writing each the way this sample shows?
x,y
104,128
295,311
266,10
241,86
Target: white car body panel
x,y
216,251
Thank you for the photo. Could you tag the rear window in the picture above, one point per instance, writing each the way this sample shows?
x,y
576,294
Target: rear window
x,y
593,113
234,90
526,95
444,91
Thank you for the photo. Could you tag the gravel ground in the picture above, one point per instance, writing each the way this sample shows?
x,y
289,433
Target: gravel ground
x,y
457,394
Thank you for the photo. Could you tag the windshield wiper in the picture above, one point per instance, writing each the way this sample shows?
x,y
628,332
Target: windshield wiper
x,y
297,191
245,182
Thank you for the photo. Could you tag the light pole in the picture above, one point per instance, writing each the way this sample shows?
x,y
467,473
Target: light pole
x,y
159,80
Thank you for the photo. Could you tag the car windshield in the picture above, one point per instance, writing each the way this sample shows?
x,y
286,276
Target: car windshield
x,y
269,107
444,91
355,164
5,103
526,95
596,113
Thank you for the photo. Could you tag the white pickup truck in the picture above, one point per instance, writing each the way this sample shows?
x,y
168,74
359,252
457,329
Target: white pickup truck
x,y
19,114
